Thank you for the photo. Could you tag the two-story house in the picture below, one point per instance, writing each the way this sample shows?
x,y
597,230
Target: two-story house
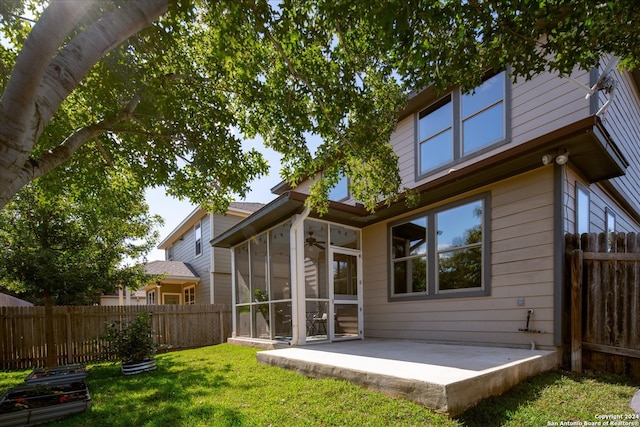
x,y
503,173
194,272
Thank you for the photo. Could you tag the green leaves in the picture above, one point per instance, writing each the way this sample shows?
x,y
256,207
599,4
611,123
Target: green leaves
x,y
76,245
209,74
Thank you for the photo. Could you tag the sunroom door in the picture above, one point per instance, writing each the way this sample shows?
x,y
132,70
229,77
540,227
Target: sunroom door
x,y
345,315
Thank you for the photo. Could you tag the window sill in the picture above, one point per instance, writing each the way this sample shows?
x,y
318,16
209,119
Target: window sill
x,y
446,295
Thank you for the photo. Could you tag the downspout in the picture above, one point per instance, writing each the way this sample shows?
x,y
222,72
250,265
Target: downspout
x,y
297,278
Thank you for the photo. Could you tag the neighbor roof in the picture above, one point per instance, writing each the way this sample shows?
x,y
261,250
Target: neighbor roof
x,y
173,269
245,206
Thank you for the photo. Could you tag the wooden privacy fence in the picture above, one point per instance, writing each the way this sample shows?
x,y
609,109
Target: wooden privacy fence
x,y
605,302
76,330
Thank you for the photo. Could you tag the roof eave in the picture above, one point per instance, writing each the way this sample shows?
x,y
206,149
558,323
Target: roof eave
x,y
591,150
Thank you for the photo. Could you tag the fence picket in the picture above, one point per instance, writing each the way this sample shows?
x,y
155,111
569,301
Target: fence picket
x,y
76,330
611,301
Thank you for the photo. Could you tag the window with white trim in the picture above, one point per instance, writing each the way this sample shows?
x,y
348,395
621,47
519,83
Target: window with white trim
x,y
460,125
582,209
190,295
442,252
610,223
198,238
151,297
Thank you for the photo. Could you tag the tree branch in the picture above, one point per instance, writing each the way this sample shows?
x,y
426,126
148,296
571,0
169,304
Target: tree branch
x,y
56,23
304,81
35,168
73,62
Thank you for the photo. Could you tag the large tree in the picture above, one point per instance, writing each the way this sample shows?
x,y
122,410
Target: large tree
x,y
170,88
67,248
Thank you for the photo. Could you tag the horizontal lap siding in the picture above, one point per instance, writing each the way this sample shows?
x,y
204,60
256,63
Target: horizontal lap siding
x,y
202,264
546,103
184,250
538,106
622,121
599,200
522,266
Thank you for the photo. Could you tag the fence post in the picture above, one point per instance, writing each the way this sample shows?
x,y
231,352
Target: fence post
x,y
69,340
576,311
222,337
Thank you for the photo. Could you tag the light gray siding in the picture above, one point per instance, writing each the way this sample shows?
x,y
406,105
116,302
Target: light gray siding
x,y
221,260
599,201
184,249
622,120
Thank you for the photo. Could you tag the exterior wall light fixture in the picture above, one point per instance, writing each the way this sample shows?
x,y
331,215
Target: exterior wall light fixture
x,y
561,157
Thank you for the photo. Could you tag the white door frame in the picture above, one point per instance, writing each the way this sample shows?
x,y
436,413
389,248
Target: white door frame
x,y
333,301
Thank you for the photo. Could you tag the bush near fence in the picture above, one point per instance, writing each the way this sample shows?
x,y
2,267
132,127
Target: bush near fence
x,y
77,330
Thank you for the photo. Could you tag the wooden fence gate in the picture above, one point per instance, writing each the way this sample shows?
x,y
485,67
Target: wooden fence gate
x,y
605,302
76,330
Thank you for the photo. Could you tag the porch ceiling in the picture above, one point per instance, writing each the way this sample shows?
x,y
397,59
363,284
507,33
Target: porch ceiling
x,y
591,151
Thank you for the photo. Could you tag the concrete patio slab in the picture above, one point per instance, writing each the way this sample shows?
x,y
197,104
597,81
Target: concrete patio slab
x,y
445,378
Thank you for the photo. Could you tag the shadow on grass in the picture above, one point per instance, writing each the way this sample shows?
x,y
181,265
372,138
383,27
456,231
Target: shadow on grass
x,y
498,410
176,393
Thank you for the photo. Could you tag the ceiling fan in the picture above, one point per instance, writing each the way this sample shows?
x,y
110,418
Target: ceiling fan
x,y
311,241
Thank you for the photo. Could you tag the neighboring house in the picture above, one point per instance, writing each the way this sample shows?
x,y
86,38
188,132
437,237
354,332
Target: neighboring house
x,y
502,173
11,301
194,272
123,296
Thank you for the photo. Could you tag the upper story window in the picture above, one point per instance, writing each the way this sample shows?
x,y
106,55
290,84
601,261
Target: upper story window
x,y
460,125
441,253
198,238
169,253
340,191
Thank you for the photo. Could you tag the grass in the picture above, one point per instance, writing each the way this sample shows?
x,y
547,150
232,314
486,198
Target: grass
x,y
224,386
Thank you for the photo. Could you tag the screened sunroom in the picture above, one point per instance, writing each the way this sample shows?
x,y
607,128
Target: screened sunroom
x,y
296,279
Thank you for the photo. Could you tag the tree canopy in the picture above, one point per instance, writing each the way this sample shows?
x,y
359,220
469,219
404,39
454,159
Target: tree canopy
x,y
69,248
167,90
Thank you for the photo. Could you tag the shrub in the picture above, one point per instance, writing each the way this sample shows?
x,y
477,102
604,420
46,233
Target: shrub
x,y
132,341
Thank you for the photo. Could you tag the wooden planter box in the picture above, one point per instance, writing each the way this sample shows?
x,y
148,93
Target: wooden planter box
x,y
37,404
130,368
60,375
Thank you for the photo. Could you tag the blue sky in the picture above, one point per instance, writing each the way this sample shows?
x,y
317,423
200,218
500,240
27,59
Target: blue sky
x,y
174,211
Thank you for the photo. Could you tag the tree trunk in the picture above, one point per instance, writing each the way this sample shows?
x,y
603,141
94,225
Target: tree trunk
x,y
46,73
52,351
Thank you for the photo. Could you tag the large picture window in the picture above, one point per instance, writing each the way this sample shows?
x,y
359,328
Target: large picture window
x,y
442,252
460,125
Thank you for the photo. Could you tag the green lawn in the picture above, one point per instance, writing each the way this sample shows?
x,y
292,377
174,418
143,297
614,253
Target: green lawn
x,y
224,385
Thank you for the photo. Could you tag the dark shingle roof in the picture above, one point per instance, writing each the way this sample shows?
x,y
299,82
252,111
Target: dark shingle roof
x,y
170,268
